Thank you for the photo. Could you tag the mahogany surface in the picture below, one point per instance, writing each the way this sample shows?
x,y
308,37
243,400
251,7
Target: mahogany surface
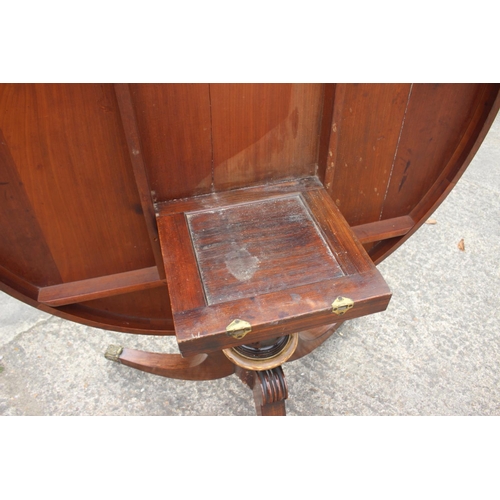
x,y
236,269
199,367
274,257
269,389
82,167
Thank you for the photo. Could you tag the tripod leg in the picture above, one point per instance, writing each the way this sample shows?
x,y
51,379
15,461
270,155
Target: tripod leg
x,y
199,367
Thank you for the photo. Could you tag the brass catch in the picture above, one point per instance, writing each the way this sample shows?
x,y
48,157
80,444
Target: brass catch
x,y
238,328
341,305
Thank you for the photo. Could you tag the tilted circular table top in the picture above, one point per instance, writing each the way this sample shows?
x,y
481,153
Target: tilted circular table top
x,y
84,167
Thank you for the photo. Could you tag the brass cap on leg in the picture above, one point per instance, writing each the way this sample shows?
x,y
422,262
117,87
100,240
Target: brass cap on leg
x,y
113,352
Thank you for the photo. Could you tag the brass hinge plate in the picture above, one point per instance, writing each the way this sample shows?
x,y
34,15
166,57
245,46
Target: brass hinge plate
x,y
341,305
238,328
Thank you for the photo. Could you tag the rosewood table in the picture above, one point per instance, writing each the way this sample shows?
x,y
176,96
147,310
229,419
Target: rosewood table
x,y
246,220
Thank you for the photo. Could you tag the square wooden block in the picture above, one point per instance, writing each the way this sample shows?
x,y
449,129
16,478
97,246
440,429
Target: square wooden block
x,y
275,256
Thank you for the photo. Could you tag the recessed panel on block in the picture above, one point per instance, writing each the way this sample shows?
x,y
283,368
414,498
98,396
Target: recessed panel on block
x,y
271,260
259,247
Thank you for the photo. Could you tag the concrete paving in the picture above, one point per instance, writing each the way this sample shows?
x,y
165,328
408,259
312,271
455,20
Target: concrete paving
x,y
435,351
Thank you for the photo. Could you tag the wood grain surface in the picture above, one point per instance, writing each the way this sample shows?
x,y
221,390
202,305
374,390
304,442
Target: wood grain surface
x,y
69,151
365,134
240,249
175,132
277,263
78,204
264,132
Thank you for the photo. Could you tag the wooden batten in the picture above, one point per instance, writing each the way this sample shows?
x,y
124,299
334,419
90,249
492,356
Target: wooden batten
x,y
97,288
383,229
131,130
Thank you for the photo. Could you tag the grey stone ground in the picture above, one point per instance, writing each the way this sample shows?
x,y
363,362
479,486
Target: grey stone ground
x,y
435,351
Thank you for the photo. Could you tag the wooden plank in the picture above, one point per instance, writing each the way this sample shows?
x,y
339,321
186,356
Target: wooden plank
x,y
238,196
68,146
263,133
175,131
24,253
384,229
131,130
363,143
95,288
437,117
183,278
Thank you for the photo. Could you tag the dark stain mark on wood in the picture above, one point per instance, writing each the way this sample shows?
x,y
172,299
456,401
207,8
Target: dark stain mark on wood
x,y
138,209
405,176
402,183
